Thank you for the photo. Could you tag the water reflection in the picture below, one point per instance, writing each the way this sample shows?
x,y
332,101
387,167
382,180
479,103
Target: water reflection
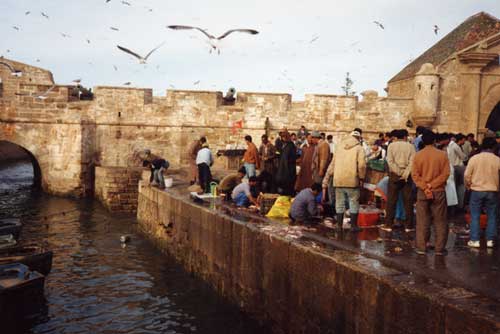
x,y
98,286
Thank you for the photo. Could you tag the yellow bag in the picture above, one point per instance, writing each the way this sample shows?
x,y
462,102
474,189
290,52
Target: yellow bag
x,y
281,207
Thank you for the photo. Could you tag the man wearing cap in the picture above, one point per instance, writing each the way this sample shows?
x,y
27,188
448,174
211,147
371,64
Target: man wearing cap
x,y
321,157
348,168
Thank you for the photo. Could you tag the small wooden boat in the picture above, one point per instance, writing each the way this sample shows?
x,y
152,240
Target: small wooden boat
x,y
35,257
20,288
7,241
11,226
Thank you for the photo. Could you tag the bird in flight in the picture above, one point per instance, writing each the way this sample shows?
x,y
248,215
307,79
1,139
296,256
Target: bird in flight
x,y
212,40
88,41
12,70
44,15
127,83
65,35
196,82
113,28
142,60
116,68
77,81
313,40
436,29
42,96
126,3
380,25
27,13
15,28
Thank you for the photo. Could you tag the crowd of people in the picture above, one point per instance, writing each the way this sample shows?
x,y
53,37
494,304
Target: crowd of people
x,y
430,177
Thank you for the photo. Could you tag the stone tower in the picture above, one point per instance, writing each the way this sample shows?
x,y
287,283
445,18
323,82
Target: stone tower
x,y
426,95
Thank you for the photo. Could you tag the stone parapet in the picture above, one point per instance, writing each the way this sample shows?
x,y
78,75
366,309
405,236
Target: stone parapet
x,y
117,187
299,287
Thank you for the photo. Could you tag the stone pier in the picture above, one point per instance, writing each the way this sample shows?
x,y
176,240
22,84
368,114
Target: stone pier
x,y
301,286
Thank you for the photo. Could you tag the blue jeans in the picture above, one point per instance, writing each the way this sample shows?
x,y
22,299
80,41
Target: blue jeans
x,y
241,200
250,169
352,194
488,199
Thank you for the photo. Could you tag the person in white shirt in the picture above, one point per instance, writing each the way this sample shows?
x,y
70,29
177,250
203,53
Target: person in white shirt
x,y
204,160
456,156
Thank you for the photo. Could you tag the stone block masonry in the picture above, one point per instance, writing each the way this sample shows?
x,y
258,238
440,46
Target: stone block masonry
x,y
117,188
298,288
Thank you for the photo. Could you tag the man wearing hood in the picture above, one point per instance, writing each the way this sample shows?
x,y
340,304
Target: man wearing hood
x,y
348,168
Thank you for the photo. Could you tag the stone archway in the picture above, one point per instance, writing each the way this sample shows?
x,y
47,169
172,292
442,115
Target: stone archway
x,y
493,122
12,151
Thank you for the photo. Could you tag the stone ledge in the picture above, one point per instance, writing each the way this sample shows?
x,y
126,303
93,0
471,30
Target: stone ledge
x,y
299,287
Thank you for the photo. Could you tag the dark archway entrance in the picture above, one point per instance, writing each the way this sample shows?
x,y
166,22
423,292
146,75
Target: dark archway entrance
x,y
11,153
493,122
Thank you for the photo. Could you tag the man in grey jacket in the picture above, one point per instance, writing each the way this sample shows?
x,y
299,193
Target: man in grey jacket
x,y
348,168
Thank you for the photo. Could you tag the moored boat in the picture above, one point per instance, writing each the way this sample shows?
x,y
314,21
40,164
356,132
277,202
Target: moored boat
x,y
35,257
11,226
7,241
20,289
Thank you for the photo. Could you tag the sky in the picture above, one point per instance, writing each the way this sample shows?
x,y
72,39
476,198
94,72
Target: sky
x,y
303,47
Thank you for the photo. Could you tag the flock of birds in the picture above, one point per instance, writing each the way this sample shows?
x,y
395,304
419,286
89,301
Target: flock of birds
x,y
212,41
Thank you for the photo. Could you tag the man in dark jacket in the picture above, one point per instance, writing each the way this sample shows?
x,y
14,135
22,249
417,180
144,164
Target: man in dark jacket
x,y
286,174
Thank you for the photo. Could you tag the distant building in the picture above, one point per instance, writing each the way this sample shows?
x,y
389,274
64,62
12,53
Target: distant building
x,y
455,85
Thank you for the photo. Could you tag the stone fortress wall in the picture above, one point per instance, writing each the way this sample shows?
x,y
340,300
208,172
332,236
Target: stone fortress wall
x,y
68,136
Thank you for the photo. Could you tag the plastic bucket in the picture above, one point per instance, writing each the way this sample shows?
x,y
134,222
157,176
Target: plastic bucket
x,y
169,182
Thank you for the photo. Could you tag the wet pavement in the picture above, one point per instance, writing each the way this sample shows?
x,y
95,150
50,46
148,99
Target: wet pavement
x,y
477,270
98,285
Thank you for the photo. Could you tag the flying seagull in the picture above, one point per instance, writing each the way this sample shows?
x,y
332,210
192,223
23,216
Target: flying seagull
x,y
212,40
126,3
313,40
27,13
77,81
41,96
65,35
113,28
15,28
127,83
142,60
379,24
196,82
436,29
44,15
88,41
13,71
116,68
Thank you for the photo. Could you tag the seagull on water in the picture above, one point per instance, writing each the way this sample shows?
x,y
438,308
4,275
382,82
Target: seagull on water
x,y
13,71
380,25
212,40
142,60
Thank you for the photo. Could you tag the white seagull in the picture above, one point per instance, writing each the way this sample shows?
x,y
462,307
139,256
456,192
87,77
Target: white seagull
x,y
44,95
142,60
212,40
13,71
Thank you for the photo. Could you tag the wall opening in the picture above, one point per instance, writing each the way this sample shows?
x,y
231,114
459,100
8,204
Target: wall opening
x,y
14,156
493,122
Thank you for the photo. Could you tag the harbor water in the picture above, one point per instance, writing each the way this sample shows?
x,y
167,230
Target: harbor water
x,y
98,284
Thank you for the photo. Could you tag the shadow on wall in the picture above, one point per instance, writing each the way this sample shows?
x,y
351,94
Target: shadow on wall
x,y
10,152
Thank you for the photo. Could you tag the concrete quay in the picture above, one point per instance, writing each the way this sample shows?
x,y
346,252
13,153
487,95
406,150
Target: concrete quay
x,y
310,280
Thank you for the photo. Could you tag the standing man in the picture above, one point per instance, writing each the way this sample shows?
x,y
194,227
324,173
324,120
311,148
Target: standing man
x,y
481,176
267,155
418,140
204,160
430,171
348,167
287,169
457,158
400,156
467,146
321,157
305,175
251,157
193,152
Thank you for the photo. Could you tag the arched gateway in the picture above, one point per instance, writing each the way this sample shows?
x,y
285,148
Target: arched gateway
x,y
493,122
11,151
